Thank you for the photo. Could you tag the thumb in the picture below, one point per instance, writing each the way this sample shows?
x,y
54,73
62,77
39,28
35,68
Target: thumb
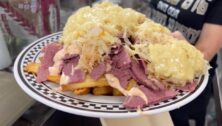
x,y
178,35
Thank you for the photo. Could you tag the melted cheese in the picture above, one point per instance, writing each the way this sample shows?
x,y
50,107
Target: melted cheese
x,y
176,61
106,19
152,32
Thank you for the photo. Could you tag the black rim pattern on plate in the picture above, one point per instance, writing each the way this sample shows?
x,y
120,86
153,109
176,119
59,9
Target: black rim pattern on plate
x,y
43,90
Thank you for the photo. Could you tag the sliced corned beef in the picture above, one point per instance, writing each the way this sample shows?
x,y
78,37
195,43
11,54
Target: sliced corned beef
x,y
98,71
153,97
134,102
75,75
139,75
42,74
49,52
189,87
143,65
78,76
122,75
69,64
120,64
157,96
122,59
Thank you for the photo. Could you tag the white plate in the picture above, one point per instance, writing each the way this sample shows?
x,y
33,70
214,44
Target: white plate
x,y
89,105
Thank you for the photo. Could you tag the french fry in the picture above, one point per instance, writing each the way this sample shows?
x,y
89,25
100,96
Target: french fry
x,y
106,90
54,79
32,68
88,83
81,91
131,84
116,92
100,86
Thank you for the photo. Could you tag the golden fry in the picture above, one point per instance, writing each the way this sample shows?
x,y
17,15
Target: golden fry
x,y
88,83
55,79
32,68
81,91
131,84
116,92
106,90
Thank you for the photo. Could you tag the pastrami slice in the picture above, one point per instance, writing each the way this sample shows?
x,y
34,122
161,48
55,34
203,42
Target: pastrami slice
x,y
152,96
139,75
74,74
122,59
49,52
98,71
134,102
122,75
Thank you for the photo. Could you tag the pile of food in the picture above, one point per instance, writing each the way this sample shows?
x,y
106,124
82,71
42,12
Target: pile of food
x,y
109,50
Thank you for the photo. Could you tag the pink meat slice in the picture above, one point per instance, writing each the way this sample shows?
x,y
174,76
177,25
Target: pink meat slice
x,y
123,75
134,102
78,76
49,52
69,64
139,75
143,65
121,66
153,97
122,59
157,96
75,75
98,71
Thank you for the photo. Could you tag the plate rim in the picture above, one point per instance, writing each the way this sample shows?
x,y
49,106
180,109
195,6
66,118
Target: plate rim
x,y
70,110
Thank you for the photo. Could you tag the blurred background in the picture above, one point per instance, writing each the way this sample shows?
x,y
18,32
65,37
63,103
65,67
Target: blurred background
x,y
24,21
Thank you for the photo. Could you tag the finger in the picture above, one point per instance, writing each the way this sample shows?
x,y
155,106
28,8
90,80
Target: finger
x,y
178,35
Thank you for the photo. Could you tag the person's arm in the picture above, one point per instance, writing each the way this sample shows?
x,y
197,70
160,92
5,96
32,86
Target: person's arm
x,y
210,40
